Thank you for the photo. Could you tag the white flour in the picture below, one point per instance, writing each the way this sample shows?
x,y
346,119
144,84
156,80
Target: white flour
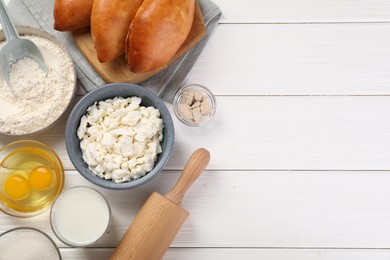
x,y
39,99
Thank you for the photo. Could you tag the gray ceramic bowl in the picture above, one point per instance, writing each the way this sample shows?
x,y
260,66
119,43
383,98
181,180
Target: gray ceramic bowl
x,y
111,91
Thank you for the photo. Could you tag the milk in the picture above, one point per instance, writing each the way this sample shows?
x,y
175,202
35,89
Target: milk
x,y
80,216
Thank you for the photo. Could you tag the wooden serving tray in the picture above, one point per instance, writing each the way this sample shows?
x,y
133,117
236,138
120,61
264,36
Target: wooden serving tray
x,y
118,70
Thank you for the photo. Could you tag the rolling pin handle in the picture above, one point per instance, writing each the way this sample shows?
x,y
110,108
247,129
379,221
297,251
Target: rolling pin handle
x,y
192,170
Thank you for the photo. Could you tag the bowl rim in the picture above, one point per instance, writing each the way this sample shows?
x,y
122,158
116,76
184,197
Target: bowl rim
x,y
29,30
80,109
37,230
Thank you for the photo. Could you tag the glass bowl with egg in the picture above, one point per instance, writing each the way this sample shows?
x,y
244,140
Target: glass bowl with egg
x,y
194,105
119,136
31,177
37,100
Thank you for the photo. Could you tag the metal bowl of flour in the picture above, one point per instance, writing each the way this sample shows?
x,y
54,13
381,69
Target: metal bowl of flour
x,y
38,101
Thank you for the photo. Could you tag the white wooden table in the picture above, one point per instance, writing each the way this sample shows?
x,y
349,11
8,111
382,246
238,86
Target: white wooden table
x,y
300,143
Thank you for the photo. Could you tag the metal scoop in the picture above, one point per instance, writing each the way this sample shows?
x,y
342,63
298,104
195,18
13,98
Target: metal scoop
x,y
15,48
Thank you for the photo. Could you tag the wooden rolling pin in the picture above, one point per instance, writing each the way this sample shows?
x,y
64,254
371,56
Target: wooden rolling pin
x,y
157,223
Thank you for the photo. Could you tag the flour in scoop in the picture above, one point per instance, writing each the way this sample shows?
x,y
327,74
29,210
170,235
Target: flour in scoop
x,y
40,99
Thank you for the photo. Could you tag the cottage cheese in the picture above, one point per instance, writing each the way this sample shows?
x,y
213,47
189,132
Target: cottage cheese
x,y
120,139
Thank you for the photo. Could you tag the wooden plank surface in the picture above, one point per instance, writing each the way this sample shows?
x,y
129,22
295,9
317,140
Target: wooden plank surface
x,y
281,209
300,142
304,11
248,254
296,59
280,133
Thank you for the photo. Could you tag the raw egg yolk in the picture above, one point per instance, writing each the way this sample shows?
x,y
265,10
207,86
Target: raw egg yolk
x,y
16,187
40,178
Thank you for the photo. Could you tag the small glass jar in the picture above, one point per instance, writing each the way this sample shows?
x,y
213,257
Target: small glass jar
x,y
194,105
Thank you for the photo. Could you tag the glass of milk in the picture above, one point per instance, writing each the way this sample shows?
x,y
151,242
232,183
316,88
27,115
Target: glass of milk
x,y
80,216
